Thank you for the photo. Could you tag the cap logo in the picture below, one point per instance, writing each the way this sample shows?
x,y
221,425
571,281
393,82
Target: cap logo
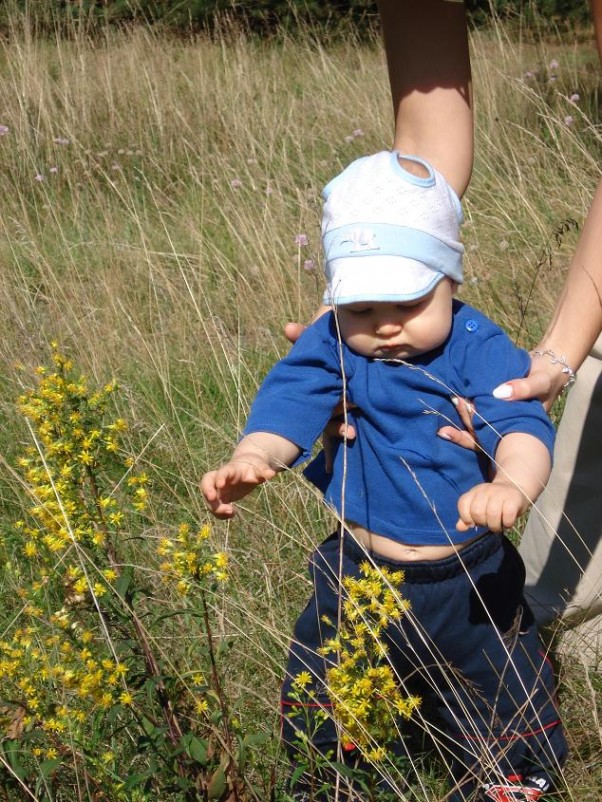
x,y
361,239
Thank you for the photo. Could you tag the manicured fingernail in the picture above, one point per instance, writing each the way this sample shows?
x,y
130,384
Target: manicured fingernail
x,y
443,435
503,391
454,400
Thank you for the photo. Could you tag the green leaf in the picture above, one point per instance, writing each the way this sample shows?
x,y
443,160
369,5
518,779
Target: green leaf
x,y
223,647
148,726
217,785
135,779
123,583
297,774
12,749
196,748
48,766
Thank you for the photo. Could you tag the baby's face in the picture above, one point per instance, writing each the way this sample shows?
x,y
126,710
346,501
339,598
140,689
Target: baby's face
x,y
398,330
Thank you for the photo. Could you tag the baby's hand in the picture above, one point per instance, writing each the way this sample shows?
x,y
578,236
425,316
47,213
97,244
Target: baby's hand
x,y
232,481
495,505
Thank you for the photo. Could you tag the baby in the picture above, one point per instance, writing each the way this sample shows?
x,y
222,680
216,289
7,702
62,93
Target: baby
x,y
397,345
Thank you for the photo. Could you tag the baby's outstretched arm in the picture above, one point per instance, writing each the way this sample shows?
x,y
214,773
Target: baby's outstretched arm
x,y
256,459
523,467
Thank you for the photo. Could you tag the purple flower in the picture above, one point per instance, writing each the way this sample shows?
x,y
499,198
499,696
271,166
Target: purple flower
x,y
60,140
575,97
357,132
529,74
236,183
39,177
4,129
309,265
568,120
554,64
53,170
301,239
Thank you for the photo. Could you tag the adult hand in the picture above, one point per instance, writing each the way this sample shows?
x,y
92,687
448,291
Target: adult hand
x,y
461,437
292,331
546,380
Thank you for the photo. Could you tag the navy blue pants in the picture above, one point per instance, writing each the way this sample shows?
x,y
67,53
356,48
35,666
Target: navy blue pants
x,y
468,646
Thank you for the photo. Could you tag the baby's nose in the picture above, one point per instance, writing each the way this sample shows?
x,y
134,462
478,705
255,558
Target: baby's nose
x,y
386,328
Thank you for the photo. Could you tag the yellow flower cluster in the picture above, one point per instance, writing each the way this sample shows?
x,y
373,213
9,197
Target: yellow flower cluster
x,y
362,686
73,447
56,678
55,664
186,559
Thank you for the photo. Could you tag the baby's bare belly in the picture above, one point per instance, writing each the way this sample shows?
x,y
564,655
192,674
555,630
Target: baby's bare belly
x,y
403,552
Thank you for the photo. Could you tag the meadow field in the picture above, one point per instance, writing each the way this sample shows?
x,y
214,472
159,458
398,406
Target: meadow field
x,y
159,225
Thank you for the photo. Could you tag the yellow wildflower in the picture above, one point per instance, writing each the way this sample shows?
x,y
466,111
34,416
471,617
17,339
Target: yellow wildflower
x,y
126,698
302,679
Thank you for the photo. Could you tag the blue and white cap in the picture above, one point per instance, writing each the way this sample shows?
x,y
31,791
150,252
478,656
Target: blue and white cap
x,y
389,235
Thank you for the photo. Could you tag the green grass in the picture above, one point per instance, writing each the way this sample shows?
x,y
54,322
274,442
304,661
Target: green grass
x,y
161,251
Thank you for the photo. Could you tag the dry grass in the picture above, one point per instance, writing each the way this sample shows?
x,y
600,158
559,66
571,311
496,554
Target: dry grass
x,y
152,192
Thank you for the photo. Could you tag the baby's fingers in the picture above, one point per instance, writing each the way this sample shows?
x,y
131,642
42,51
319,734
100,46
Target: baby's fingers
x,y
480,507
511,510
256,474
488,505
218,507
233,474
466,520
208,488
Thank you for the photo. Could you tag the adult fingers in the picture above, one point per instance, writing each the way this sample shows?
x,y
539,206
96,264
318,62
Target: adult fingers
x,y
340,430
460,437
537,385
292,331
335,431
466,410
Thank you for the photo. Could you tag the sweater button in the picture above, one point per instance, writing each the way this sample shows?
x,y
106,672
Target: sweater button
x,y
471,325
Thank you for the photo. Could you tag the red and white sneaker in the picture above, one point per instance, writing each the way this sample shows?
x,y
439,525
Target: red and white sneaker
x,y
510,792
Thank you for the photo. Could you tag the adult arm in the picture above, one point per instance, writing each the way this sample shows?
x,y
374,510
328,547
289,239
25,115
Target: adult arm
x,y
577,319
575,325
426,45
576,322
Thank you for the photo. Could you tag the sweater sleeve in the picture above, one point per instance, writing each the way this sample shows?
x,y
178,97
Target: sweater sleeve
x,y
490,358
297,397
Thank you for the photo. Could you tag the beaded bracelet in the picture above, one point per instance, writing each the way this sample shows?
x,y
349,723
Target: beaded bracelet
x,y
559,360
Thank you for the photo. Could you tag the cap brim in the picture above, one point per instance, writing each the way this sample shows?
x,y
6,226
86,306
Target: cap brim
x,y
378,278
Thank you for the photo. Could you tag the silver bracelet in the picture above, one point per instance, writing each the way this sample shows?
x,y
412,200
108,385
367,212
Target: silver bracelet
x,y
559,360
